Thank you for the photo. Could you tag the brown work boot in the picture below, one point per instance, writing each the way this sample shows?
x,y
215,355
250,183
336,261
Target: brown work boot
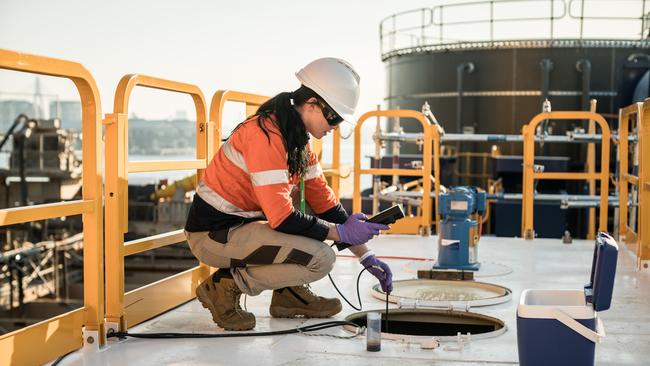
x,y
220,295
291,302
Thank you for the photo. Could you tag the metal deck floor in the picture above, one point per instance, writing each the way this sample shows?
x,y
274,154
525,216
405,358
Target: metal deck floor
x,y
542,263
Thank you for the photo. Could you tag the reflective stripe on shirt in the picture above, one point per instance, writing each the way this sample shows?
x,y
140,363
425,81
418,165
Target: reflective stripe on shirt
x,y
215,200
268,177
314,171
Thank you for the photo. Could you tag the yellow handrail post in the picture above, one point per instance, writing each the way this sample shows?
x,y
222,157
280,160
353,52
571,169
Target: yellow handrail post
x,y
626,233
431,146
63,333
116,197
528,185
643,261
336,162
219,99
591,168
530,175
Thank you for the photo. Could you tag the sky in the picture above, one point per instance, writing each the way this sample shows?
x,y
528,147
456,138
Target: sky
x,y
253,46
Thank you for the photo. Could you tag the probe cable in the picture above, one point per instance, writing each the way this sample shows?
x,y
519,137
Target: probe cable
x,y
359,297
304,329
301,330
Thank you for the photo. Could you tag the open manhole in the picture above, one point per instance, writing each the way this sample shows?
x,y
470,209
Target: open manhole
x,y
447,294
443,325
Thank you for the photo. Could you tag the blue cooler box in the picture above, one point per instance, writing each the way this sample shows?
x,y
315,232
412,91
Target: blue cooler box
x,y
561,327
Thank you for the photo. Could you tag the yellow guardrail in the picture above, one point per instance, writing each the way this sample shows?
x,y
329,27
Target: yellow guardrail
x,y
643,253
219,100
529,174
127,309
421,224
51,338
638,241
629,117
333,171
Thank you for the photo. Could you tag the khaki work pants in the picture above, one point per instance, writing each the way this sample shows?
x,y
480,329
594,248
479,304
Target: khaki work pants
x,y
261,258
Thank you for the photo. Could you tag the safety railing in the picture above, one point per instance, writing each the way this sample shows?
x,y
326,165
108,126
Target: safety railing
x,y
629,119
530,174
636,236
333,173
643,253
431,144
219,100
127,309
448,24
46,340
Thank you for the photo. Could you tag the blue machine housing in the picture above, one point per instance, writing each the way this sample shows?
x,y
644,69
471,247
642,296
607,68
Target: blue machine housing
x,y
459,232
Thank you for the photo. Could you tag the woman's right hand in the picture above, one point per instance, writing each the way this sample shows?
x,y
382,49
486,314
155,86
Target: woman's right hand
x,y
356,230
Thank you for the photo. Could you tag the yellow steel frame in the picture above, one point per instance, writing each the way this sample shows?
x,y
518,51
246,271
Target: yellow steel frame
x,y
639,241
44,341
530,175
219,100
591,168
410,225
332,172
644,185
144,303
626,233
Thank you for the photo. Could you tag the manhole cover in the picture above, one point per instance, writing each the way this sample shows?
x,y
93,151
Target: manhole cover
x,y
447,294
443,325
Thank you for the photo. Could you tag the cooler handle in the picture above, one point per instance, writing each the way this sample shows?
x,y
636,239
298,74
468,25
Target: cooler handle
x,y
595,337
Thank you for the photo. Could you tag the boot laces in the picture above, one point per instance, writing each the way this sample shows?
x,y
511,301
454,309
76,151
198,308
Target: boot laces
x,y
236,295
307,289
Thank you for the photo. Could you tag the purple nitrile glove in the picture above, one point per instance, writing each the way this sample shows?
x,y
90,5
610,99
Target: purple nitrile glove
x,y
380,270
356,231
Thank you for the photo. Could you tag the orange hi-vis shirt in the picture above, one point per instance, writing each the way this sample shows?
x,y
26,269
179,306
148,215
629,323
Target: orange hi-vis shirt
x,y
249,178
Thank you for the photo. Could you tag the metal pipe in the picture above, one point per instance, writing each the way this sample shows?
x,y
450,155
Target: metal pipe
x,y
584,66
550,197
21,118
547,66
513,196
396,150
460,71
418,138
585,204
376,179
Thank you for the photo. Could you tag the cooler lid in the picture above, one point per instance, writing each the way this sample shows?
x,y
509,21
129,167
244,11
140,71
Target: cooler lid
x,y
603,271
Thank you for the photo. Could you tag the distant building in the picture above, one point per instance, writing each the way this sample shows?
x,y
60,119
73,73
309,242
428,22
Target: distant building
x,y
68,111
10,109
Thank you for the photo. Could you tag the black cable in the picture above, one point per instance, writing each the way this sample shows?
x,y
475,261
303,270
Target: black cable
x,y
307,328
358,293
386,320
58,360
359,297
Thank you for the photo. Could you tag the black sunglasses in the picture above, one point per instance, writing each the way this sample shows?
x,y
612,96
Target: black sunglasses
x,y
333,118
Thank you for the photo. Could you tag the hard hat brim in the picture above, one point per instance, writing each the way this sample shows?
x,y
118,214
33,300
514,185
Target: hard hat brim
x,y
349,119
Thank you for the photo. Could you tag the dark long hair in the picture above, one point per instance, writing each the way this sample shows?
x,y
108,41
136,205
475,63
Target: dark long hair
x,y
280,110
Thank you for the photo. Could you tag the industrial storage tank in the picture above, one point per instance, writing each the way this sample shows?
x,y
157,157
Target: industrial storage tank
x,y
492,84
480,77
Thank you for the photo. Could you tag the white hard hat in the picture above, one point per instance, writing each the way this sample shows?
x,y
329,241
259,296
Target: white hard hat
x,y
335,81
